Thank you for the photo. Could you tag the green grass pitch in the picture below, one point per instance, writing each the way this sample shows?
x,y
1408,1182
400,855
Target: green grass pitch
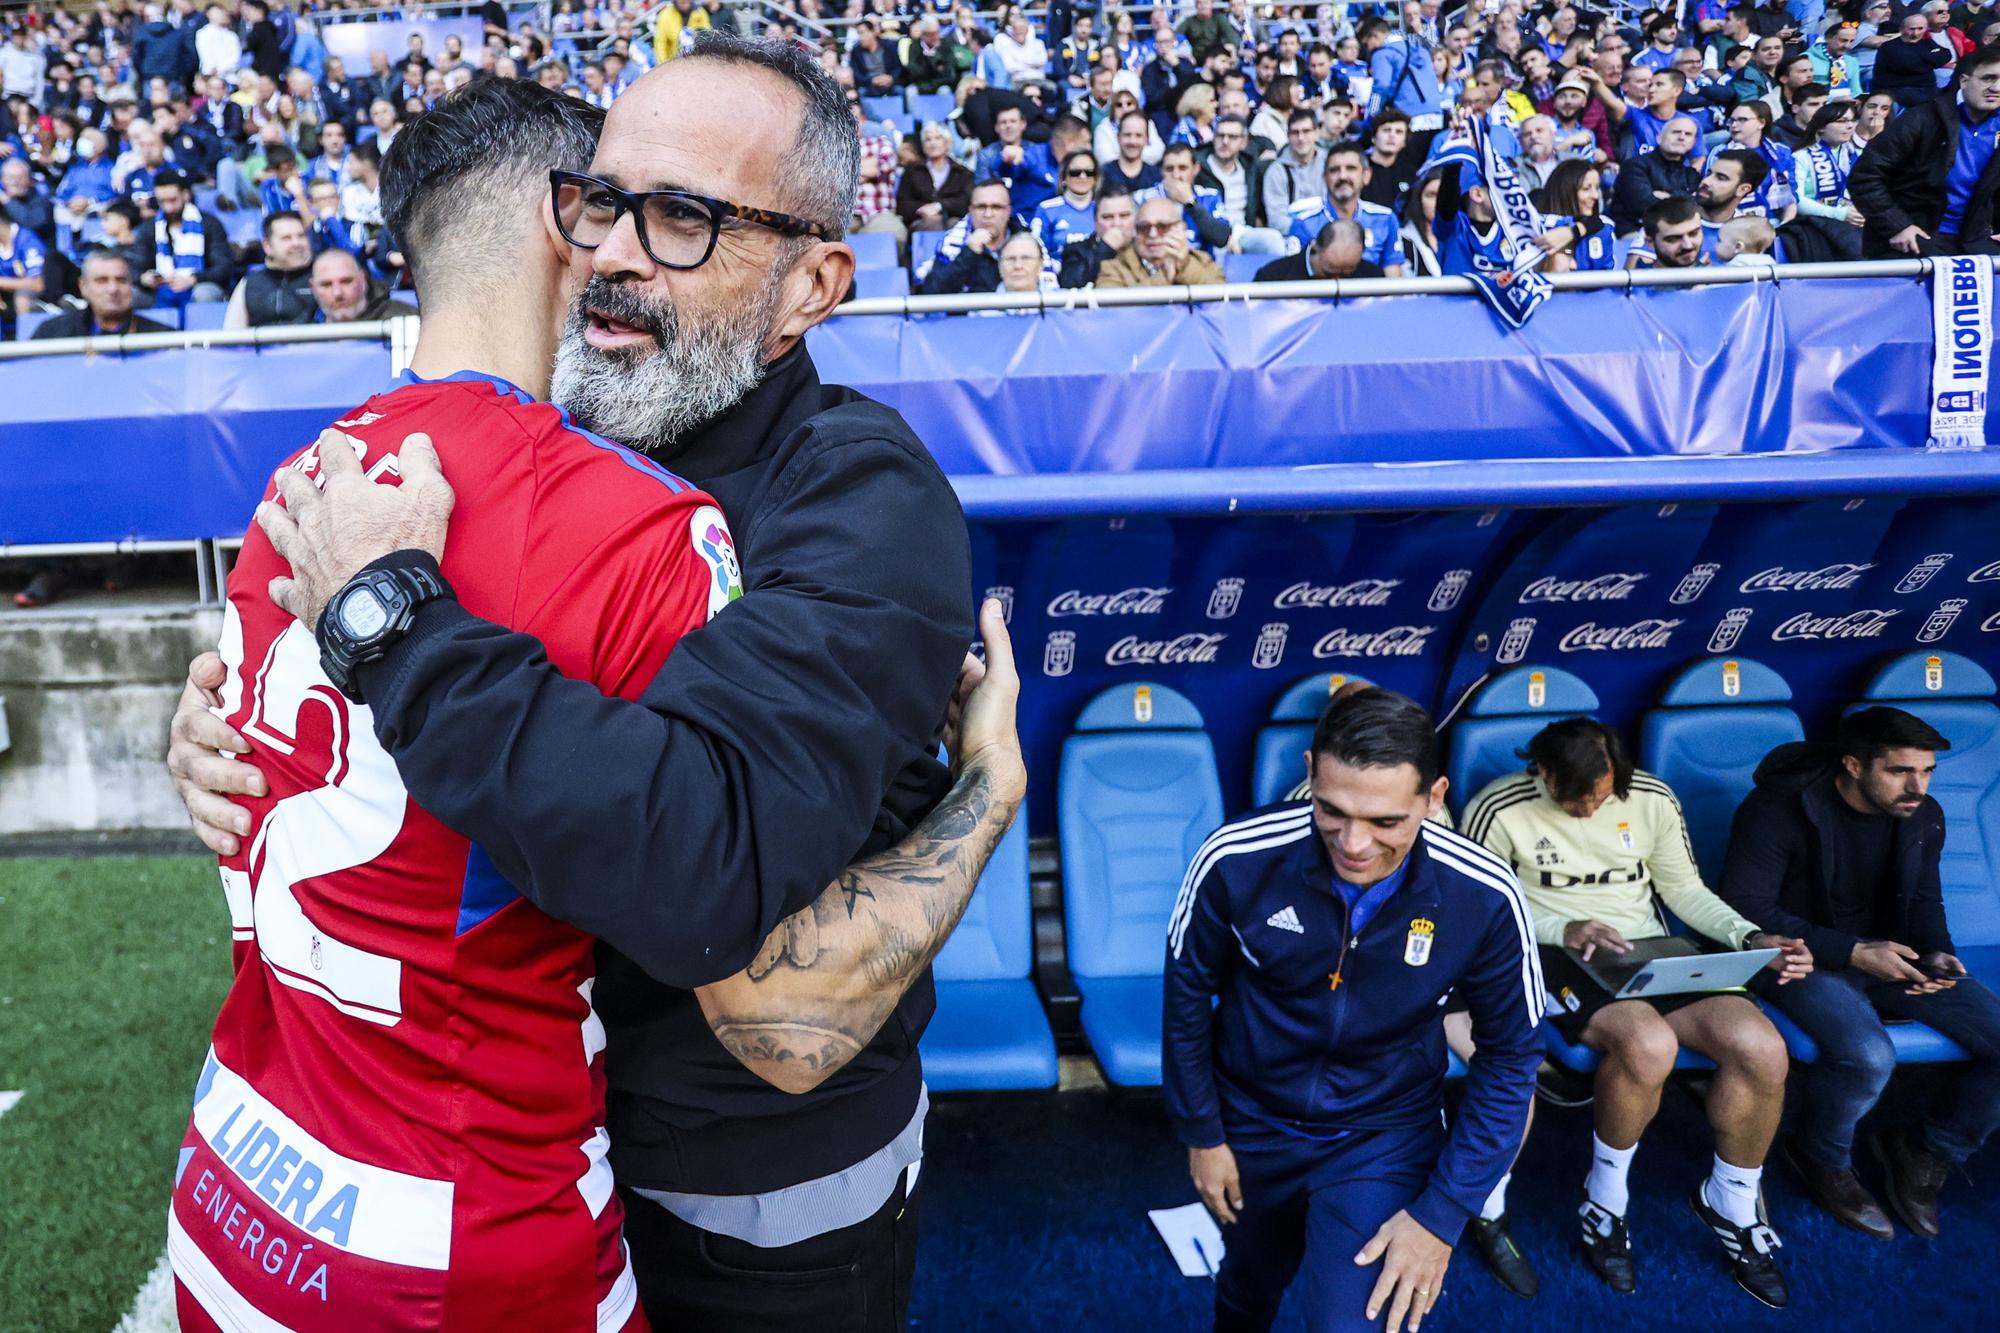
x,y
111,971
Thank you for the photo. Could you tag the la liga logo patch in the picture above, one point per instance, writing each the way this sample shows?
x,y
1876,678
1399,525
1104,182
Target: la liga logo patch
x,y
709,531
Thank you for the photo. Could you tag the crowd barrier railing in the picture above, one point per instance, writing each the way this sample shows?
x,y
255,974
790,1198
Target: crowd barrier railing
x,y
1048,302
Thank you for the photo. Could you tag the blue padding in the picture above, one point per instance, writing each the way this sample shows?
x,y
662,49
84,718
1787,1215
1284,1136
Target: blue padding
x,y
924,247
1124,708
1121,1020
988,1035
1709,756
1511,693
932,106
1305,701
25,325
204,315
884,283
1707,682
1243,268
1904,678
1580,1059
1803,1048
1134,807
994,940
1280,763
882,108
873,249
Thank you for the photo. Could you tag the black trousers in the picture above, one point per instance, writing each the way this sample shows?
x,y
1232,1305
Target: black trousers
x,y
854,1280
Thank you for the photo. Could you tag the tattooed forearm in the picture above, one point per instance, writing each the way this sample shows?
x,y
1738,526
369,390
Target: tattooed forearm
x,y
830,975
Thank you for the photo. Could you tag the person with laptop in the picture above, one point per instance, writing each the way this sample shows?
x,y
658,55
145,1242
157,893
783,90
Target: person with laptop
x,y
1598,846
1840,843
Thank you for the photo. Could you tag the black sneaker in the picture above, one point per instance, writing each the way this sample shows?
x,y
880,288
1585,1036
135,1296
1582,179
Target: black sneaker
x,y
1751,1253
1504,1257
1608,1248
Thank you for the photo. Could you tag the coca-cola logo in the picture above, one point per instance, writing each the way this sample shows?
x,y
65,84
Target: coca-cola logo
x,y
1985,574
1187,650
1314,596
1590,637
1396,641
1603,588
1853,625
1827,578
1991,625
1129,602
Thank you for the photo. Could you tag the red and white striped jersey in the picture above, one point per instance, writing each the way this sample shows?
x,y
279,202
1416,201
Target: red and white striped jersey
x,y
400,1122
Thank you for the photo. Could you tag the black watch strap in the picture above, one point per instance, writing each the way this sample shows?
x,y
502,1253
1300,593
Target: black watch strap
x,y
401,582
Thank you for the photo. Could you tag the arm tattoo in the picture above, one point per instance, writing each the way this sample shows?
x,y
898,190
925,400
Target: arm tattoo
x,y
831,974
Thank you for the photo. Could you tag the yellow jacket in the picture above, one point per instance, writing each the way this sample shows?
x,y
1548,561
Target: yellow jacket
x,y
667,35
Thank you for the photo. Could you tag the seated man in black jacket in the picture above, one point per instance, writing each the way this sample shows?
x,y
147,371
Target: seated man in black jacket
x,y
1839,845
107,295
968,258
278,291
1919,194
1337,252
1655,173
1114,218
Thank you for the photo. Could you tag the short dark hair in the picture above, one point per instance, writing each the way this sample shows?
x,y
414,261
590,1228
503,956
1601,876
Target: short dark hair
x,y
452,178
1845,109
1573,755
1347,148
1751,165
104,254
1301,116
1870,733
280,155
1668,212
174,178
283,215
1378,728
126,209
1177,149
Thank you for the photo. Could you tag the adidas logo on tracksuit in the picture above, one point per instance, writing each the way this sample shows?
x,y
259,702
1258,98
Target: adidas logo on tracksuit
x,y
1286,920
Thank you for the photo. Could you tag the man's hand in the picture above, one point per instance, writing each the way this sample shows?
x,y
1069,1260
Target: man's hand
x,y
1180,191
1794,959
977,240
1012,154
180,280
1413,1264
1587,937
980,726
328,533
199,746
1887,960
1909,240
1215,1179
1934,963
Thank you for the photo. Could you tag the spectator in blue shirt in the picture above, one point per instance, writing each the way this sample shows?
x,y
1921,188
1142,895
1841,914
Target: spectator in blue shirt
x,y
1073,212
1926,184
326,229
283,191
1406,79
331,162
86,186
1028,169
1346,175
1208,230
1663,34
22,259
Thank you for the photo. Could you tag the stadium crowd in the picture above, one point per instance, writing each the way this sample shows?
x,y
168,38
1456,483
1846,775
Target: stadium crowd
x,y
1321,137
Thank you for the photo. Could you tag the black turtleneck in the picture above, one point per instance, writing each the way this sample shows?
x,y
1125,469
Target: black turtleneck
x,y
791,735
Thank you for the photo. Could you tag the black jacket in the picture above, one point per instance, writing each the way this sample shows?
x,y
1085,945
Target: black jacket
x,y
79,324
779,743
1907,71
1081,259
279,296
1776,873
1639,177
1900,176
966,271
1292,268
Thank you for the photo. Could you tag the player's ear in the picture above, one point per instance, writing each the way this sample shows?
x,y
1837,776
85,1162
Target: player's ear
x,y
819,281
563,251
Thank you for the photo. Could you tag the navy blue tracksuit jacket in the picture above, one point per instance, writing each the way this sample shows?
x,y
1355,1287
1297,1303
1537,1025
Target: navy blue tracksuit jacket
x,y
1260,924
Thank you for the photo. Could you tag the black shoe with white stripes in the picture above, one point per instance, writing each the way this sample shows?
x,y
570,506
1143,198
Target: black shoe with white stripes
x,y
1608,1248
1751,1252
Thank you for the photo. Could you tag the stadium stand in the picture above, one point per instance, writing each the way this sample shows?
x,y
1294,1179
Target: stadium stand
x,y
1138,794
1277,763
1500,719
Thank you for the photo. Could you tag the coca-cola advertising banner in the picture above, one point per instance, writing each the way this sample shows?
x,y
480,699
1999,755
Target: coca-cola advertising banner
x,y
1232,613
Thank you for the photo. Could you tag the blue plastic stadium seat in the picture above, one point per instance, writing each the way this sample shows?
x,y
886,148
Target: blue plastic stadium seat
x,y
883,108
873,250
244,227
1501,720
1580,1059
923,248
202,315
1243,268
990,1030
873,282
1279,760
206,198
1716,721
92,231
25,325
1137,794
932,106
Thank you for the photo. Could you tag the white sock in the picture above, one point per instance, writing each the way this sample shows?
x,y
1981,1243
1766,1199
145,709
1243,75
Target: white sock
x,y
1732,1191
1605,1186
1496,1202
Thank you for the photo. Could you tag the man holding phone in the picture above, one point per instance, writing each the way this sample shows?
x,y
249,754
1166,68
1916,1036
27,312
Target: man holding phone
x,y
1840,844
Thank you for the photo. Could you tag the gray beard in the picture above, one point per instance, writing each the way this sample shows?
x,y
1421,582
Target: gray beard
x,y
650,400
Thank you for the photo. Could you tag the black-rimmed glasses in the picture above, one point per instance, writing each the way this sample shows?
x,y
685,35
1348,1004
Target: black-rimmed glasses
x,y
676,228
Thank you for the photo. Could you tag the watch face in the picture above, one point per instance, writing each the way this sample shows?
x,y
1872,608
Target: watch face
x,y
362,615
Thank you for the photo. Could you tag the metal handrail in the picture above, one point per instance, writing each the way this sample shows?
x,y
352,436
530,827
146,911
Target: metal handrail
x,y
1087,298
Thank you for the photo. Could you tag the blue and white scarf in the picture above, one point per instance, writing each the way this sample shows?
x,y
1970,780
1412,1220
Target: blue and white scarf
x,y
1961,362
1514,293
183,247
1829,169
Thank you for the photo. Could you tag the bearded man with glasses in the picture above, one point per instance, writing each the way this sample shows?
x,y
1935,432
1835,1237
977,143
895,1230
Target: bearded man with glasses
x,y
765,1103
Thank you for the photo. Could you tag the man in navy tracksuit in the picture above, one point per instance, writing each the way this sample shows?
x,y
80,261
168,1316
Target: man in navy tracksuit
x,y
1334,932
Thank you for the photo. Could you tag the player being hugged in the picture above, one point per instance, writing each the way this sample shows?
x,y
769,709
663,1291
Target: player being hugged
x,y
399,1123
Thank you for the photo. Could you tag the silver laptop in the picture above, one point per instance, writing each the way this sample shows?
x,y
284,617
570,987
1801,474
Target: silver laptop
x,y
1671,965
